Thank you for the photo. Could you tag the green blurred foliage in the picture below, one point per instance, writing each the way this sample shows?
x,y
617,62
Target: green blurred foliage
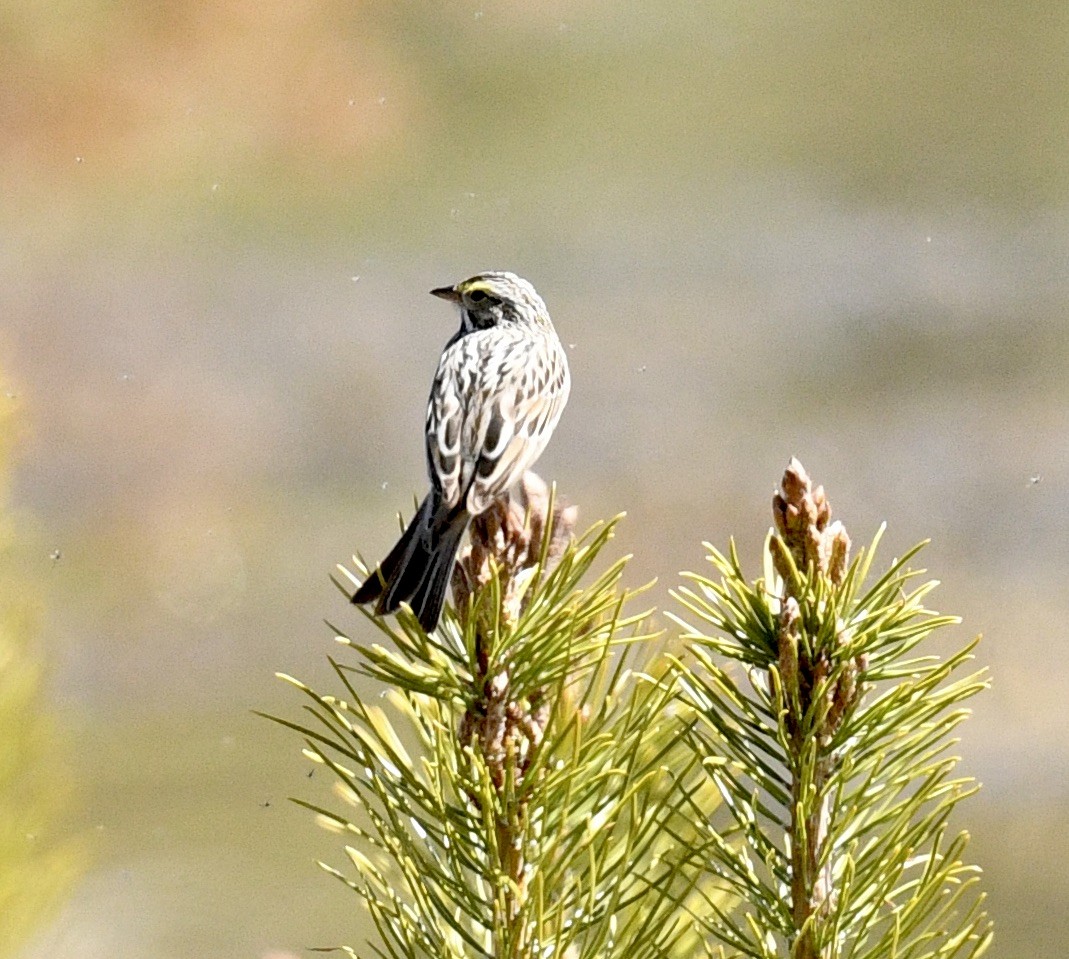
x,y
37,866
308,118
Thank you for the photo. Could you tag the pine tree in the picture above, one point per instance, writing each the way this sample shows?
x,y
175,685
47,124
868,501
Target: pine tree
x,y
536,783
509,800
826,734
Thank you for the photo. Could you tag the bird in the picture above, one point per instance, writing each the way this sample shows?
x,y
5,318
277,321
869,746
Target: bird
x,y
501,385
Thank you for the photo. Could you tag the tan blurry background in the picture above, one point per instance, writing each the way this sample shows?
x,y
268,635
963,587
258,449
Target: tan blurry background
x,y
837,230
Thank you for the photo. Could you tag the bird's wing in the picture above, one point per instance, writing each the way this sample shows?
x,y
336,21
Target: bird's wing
x,y
495,402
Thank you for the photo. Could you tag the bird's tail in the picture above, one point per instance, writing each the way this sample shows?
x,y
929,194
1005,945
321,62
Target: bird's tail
x,y
418,569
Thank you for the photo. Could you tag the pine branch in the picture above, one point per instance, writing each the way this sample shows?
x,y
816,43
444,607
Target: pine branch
x,y
519,793
833,738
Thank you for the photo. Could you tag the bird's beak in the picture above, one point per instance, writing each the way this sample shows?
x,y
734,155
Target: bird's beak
x,y
447,293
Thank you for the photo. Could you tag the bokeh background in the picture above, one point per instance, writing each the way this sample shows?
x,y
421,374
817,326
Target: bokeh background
x,y
829,229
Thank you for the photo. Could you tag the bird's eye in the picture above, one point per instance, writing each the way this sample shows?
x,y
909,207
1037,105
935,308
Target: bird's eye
x,y
477,296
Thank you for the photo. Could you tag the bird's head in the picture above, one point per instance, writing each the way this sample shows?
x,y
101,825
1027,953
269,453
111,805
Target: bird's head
x,y
492,299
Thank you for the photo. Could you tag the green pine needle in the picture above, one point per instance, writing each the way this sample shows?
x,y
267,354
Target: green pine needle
x,y
873,777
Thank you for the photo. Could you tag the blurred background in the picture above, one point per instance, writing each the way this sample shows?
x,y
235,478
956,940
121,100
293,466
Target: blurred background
x,y
832,230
